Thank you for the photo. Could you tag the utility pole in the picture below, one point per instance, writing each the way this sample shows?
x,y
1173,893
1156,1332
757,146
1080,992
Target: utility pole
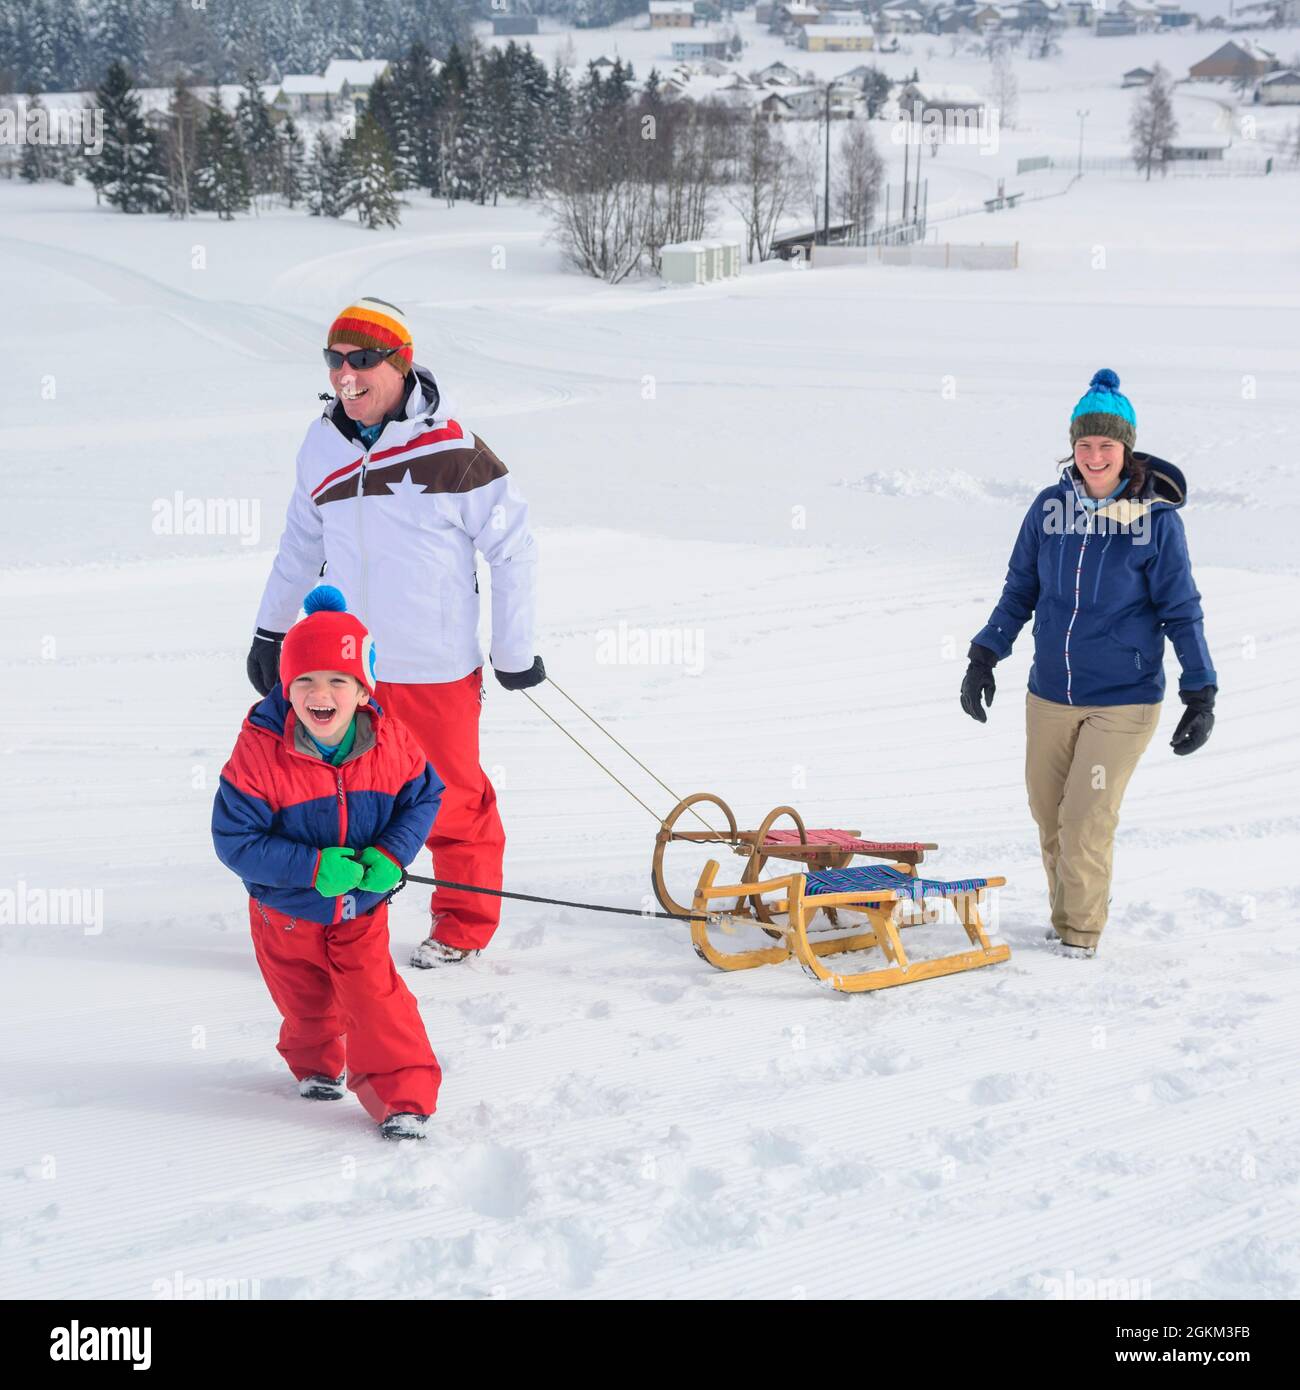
x,y
826,215
905,146
1083,116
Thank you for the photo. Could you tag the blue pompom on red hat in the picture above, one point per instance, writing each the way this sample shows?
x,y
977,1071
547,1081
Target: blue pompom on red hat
x,y
328,638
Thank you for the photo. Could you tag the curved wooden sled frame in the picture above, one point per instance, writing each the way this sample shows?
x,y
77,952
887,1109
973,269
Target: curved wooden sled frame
x,y
753,846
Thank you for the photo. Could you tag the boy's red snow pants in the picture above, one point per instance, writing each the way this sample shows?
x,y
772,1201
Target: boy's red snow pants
x,y
467,840
344,1004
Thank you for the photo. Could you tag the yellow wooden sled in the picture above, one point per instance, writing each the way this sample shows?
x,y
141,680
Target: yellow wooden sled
x,y
891,897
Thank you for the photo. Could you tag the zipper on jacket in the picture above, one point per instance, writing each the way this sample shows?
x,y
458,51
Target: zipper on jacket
x,y
361,544
343,834
1078,577
1101,565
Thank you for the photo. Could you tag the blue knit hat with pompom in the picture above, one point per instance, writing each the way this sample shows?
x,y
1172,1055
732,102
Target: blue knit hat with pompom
x,y
1102,410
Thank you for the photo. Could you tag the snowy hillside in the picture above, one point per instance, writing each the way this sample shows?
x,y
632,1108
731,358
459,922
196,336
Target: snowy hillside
x,y
815,477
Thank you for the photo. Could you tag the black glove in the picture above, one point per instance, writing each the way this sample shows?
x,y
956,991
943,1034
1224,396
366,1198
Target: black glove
x,y
522,680
1197,721
263,664
978,682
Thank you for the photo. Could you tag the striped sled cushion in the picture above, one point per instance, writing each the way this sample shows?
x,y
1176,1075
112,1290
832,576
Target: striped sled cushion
x,y
882,876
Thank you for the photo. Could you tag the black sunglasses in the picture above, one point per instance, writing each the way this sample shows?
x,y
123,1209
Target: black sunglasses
x,y
362,359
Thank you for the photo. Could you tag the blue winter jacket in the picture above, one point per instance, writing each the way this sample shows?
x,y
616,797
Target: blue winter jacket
x,y
279,805
1104,588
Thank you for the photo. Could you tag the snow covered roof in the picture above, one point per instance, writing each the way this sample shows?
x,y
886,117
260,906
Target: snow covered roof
x,y
151,98
309,84
839,31
356,72
946,92
1286,76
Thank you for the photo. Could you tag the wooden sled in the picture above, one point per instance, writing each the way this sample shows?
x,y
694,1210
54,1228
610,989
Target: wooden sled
x,y
888,895
813,849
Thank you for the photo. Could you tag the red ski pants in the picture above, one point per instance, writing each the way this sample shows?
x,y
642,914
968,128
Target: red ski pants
x,y
467,840
344,1005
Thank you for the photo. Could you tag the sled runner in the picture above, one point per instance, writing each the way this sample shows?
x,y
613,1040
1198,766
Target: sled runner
x,y
891,897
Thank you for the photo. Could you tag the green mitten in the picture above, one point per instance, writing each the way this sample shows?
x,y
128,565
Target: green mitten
x,y
338,873
381,873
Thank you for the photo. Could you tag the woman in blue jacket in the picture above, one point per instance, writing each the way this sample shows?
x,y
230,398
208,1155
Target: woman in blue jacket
x,y
1101,566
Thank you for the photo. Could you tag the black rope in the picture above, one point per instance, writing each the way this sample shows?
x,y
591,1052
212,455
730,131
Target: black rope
x,y
554,902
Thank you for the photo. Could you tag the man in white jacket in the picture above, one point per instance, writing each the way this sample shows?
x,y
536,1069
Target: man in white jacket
x,y
395,497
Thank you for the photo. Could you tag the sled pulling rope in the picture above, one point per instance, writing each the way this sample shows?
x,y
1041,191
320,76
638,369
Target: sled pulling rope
x,y
555,902
891,895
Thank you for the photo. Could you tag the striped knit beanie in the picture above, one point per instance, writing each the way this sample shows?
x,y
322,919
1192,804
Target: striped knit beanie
x,y
374,323
328,638
1102,410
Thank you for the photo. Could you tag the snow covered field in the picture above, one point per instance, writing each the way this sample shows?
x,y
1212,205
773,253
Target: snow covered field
x,y
812,479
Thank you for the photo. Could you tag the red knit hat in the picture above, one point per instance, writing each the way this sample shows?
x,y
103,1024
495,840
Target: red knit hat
x,y
374,323
329,638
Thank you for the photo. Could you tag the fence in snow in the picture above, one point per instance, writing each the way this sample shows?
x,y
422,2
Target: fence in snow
x,y
943,255
1237,166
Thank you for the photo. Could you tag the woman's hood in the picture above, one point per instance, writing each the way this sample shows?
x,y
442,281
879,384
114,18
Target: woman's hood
x,y
1165,486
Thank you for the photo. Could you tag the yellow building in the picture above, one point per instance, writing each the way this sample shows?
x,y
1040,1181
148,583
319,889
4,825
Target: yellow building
x,y
837,38
672,14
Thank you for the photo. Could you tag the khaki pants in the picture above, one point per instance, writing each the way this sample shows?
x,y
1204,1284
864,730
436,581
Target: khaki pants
x,y
1078,759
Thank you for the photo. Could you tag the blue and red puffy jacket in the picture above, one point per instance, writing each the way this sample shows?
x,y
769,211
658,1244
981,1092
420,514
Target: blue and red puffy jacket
x,y
279,805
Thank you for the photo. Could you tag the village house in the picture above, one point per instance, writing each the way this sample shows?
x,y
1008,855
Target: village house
x,y
1111,25
918,98
837,38
1172,15
899,17
1143,13
1236,60
793,13
700,43
778,74
343,83
513,25
672,14
1279,88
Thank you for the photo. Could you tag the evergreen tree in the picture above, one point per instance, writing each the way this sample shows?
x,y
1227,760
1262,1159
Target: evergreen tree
x,y
37,45
257,138
69,47
456,127
293,163
419,111
119,33
222,183
128,172
36,164
325,179
368,187
181,147
618,87
349,41
388,104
